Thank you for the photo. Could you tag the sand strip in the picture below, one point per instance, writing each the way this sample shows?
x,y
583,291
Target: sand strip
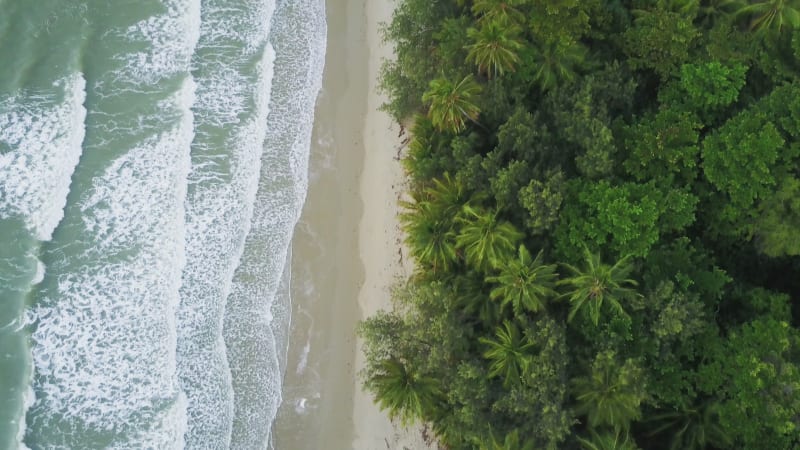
x,y
347,246
380,241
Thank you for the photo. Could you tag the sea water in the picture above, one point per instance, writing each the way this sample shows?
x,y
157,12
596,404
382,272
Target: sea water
x,y
153,164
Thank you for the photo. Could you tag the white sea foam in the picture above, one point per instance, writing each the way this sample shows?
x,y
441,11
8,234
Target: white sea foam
x,y
104,340
231,120
171,39
298,34
105,332
43,134
39,275
28,400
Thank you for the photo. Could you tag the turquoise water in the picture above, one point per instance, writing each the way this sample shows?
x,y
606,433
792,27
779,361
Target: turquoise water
x,y
153,163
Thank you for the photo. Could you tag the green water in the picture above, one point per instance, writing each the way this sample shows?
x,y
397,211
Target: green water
x,y
136,151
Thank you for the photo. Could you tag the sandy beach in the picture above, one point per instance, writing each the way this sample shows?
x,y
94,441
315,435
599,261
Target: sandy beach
x,y
347,247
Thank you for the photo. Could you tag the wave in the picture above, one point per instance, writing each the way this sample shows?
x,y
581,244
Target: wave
x,y
103,323
40,145
234,68
298,35
104,336
159,186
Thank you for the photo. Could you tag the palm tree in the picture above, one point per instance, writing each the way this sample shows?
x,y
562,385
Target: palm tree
x,y
495,48
555,63
771,14
508,353
503,11
510,442
612,394
429,233
452,103
618,440
425,142
429,221
485,239
471,298
693,428
597,284
524,283
404,393
712,10
448,194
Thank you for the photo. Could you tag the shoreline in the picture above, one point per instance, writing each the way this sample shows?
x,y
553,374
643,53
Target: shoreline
x,y
347,247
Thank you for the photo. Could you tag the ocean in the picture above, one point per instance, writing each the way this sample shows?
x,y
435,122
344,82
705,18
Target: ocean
x,y
153,165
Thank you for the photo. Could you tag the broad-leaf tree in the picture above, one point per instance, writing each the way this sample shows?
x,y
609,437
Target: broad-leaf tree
x,y
755,372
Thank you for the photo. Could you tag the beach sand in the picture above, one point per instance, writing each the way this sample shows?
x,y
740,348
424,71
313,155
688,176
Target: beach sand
x,y
347,248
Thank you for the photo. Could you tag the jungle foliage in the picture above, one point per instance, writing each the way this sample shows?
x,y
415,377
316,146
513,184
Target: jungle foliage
x,y
604,216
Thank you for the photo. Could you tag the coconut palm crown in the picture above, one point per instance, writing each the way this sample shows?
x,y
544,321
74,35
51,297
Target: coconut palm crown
x,y
485,238
452,103
596,285
524,282
405,393
495,48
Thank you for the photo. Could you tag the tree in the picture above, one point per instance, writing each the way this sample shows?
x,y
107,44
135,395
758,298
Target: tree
x,y
423,161
712,85
413,32
485,239
778,221
695,427
541,395
664,145
596,285
511,441
740,159
660,40
771,15
565,21
628,218
612,394
551,64
508,353
506,184
504,12
405,393
471,295
713,11
524,283
618,440
542,200
495,48
429,233
755,372
451,103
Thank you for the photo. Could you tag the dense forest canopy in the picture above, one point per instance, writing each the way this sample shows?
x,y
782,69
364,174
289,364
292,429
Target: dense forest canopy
x,y
604,215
